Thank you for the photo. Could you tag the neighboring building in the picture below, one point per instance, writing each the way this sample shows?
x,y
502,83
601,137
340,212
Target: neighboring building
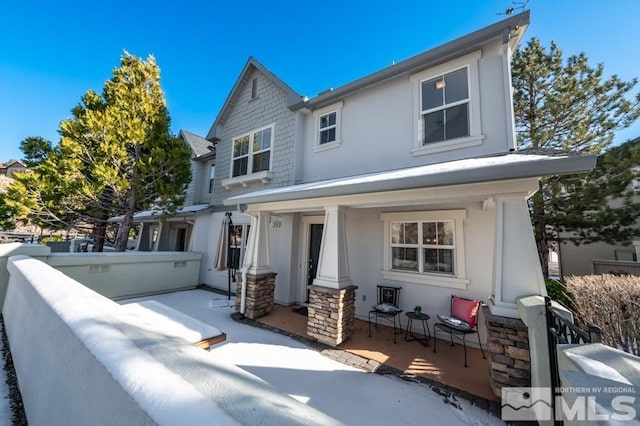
x,y
157,233
13,166
601,257
408,176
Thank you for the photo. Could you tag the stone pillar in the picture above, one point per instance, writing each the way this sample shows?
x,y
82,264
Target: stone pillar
x,y
331,313
508,347
259,294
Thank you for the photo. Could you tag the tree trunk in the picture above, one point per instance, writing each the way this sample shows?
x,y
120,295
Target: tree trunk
x,y
540,231
127,222
98,236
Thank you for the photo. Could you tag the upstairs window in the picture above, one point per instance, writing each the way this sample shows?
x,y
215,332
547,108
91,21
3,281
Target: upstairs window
x,y
252,152
328,127
445,106
212,173
328,121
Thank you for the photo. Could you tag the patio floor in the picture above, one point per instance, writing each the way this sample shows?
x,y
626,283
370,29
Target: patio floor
x,y
412,358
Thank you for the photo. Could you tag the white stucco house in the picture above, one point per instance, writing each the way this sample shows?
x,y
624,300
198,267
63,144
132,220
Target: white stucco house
x,y
409,176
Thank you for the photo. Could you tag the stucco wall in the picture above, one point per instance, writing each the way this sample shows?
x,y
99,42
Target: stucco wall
x,y
378,132
80,359
37,251
118,275
114,275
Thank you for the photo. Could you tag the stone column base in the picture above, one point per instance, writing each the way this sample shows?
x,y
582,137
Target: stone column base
x,y
508,347
260,294
331,313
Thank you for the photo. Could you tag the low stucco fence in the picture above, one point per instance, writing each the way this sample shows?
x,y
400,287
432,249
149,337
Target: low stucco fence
x,y
80,360
114,275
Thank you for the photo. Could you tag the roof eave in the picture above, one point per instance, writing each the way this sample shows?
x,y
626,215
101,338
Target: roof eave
x,y
428,59
534,169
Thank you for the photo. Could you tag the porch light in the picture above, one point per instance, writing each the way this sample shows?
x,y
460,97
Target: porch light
x,y
440,84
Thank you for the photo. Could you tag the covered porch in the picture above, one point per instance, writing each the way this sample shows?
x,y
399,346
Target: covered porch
x,y
460,228
408,359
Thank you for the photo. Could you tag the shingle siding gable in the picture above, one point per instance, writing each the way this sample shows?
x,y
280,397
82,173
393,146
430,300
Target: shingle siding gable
x,y
246,114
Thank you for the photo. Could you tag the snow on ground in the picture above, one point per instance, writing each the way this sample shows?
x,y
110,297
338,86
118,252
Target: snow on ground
x,y
347,394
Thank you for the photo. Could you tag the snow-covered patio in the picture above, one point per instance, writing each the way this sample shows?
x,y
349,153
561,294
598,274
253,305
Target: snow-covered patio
x,y
347,394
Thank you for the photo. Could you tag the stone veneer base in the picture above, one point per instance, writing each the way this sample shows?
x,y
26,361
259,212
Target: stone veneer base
x,y
331,313
508,347
260,294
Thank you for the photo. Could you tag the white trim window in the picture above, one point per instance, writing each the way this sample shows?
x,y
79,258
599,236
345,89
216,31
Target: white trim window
x,y
447,106
212,174
252,152
328,127
425,247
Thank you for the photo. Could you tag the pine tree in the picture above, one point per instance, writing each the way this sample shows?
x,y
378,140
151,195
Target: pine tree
x,y
567,106
116,156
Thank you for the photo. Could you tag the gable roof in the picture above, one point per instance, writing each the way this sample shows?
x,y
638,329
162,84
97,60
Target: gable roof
x,y
201,147
252,64
12,163
511,30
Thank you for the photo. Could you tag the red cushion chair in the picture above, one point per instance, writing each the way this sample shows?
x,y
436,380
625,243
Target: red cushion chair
x,y
461,321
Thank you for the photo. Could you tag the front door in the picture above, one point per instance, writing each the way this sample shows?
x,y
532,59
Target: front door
x,y
315,239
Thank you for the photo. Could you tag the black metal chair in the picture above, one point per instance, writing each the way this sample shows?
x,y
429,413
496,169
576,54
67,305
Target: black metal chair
x,y
387,307
461,322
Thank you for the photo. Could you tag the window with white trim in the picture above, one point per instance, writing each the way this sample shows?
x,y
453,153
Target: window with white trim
x,y
328,127
425,248
252,152
445,106
327,124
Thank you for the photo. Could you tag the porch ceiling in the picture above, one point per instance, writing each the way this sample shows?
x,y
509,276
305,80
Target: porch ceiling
x,y
460,179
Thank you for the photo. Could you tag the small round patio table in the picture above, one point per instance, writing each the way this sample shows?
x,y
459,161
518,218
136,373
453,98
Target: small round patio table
x,y
409,336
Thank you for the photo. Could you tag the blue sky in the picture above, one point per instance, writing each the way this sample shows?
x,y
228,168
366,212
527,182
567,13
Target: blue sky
x,y
51,53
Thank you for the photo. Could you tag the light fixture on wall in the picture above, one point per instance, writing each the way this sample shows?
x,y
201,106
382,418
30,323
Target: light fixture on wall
x,y
440,84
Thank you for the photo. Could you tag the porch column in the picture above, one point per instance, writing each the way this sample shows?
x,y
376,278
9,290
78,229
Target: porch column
x,y
333,264
332,295
258,283
516,269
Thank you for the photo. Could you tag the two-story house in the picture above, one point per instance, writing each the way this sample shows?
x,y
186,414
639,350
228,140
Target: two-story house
x,y
408,176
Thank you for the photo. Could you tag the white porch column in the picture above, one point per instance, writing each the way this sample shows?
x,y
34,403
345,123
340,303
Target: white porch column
x,y
257,254
333,264
517,271
636,245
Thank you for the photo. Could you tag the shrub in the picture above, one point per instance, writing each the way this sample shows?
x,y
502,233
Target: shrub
x,y
557,290
612,303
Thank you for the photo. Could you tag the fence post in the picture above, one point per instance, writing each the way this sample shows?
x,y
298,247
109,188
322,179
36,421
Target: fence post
x,y
595,334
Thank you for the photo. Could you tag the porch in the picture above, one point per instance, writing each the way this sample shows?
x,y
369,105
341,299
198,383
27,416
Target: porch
x,y
408,359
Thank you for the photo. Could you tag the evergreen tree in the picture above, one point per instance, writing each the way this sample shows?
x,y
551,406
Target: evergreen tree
x,y
568,106
116,156
35,149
